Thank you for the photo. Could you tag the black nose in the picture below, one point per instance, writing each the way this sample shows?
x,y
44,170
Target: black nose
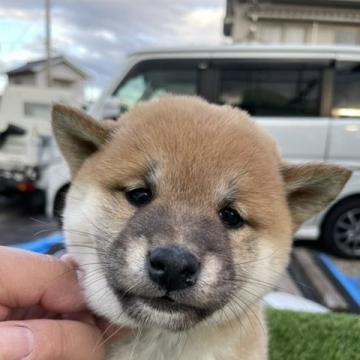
x,y
173,268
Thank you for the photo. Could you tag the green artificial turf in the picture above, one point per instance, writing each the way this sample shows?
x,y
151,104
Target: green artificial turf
x,y
300,336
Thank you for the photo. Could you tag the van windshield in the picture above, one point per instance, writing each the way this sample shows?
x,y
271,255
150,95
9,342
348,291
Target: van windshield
x,y
153,83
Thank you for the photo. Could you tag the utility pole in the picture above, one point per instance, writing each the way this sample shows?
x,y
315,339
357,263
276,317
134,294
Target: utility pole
x,y
48,41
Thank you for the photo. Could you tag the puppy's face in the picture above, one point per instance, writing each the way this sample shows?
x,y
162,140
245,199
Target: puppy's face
x,y
182,211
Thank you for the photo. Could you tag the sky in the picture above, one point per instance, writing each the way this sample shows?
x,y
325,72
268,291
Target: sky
x,y
97,34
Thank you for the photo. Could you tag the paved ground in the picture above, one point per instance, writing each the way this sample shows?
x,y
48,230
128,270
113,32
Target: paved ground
x,y
18,225
348,266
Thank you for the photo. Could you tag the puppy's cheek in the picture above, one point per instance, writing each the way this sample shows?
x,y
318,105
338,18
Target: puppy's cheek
x,y
125,264
136,253
99,295
81,213
81,228
102,300
209,277
264,273
256,275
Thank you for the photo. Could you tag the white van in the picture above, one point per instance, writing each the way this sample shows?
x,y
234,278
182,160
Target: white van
x,y
308,98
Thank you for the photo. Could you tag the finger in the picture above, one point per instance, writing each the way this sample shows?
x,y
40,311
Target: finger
x,y
68,259
50,339
27,279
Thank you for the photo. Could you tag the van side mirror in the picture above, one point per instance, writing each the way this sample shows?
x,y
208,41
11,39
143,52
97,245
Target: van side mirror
x,y
112,108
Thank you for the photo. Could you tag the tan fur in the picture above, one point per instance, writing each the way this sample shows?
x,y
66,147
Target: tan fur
x,y
197,154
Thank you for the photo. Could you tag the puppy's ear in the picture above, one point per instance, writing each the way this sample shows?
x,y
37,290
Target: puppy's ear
x,y
78,135
310,188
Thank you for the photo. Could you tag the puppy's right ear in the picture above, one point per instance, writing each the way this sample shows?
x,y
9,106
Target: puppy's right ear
x,y
78,135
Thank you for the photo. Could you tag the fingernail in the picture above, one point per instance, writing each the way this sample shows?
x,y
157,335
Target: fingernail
x,y
16,342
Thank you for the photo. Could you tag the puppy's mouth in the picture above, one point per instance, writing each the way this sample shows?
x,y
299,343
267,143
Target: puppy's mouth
x,y
167,304
162,303
162,311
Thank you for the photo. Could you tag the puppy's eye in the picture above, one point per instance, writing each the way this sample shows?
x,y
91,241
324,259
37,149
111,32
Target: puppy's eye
x,y
231,218
139,197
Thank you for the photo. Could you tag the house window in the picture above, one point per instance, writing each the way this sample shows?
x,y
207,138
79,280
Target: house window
x,y
61,83
36,110
272,91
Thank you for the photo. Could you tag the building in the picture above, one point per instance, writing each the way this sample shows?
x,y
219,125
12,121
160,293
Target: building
x,y
326,22
64,75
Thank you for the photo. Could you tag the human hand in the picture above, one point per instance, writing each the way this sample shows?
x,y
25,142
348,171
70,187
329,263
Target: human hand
x,y
42,312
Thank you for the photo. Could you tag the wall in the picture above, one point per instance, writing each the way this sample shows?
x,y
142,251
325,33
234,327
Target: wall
x,y
294,24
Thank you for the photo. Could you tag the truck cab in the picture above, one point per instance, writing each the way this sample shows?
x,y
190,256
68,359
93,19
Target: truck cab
x,y
26,143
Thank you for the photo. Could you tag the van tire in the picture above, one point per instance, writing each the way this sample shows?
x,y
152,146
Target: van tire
x,y
339,227
59,204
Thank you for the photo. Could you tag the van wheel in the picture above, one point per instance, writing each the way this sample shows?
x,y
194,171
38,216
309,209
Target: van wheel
x,y
59,204
341,229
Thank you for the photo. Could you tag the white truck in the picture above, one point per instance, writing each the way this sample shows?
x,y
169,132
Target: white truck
x,y
26,144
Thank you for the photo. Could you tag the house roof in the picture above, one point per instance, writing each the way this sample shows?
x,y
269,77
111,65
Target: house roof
x,y
39,65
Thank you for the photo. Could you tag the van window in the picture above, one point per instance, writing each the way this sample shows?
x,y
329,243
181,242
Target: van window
x,y
347,90
272,91
154,82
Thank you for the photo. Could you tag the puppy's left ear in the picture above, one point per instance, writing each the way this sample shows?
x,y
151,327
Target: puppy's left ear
x,y
78,135
310,188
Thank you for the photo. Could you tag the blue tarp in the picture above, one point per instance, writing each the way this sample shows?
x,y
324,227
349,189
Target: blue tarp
x,y
350,285
43,245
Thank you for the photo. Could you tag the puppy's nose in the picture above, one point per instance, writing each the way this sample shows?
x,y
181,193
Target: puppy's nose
x,y
173,268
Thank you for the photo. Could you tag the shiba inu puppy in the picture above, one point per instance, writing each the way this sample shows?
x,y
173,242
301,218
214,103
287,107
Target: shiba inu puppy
x,y
181,217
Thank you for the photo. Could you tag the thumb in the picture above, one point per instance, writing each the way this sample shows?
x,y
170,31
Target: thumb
x,y
50,339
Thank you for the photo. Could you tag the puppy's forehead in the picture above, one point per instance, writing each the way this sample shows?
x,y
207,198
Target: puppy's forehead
x,y
191,146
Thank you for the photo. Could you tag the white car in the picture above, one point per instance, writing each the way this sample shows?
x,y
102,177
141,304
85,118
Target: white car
x,y
308,98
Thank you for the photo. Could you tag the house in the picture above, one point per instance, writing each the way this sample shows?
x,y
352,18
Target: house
x,y
325,22
64,75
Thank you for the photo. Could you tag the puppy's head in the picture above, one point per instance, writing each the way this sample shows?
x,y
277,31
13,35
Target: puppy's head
x,y
182,211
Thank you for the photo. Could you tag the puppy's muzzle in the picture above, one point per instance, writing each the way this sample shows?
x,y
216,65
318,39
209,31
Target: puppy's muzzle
x,y
173,268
